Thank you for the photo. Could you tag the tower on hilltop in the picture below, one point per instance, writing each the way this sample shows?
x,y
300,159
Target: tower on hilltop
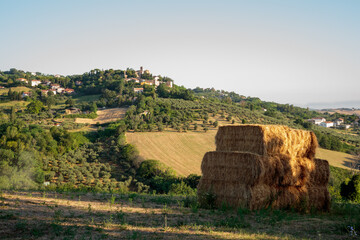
x,y
141,71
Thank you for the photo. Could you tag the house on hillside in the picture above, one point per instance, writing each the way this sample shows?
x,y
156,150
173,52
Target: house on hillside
x,y
156,81
338,121
34,83
72,110
26,94
44,92
55,86
133,79
22,80
344,126
69,91
60,90
138,90
78,83
169,84
47,82
147,82
317,121
327,124
2,87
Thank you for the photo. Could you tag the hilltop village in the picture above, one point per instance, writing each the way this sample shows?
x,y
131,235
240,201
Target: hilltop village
x,y
53,84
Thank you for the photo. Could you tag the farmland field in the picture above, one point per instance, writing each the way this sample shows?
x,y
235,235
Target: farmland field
x,y
77,215
16,104
184,151
104,116
15,89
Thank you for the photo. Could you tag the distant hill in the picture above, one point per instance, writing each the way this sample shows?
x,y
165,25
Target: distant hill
x,y
184,151
332,105
346,111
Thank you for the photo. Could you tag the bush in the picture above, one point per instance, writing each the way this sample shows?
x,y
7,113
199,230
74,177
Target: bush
x,y
150,168
192,180
350,189
181,189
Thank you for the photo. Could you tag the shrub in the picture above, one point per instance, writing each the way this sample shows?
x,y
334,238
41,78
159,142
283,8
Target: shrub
x,y
350,189
181,189
150,168
192,180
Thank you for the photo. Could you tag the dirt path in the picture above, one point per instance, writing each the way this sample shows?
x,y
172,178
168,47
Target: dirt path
x,y
105,116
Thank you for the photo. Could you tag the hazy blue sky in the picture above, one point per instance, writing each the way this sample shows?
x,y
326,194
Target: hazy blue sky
x,y
285,51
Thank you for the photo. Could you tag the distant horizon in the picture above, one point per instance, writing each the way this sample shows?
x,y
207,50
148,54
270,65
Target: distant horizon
x,y
296,52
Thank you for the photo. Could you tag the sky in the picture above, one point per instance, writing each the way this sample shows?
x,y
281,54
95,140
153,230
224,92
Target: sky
x,y
305,53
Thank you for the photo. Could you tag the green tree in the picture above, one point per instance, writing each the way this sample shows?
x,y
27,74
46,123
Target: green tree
x,y
93,107
13,114
70,102
350,189
50,101
35,106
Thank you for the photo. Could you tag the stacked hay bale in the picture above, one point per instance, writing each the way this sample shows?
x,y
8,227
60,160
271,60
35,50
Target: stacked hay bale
x,y
257,166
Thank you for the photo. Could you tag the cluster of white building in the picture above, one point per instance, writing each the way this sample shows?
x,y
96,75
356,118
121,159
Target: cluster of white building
x,y
338,123
54,88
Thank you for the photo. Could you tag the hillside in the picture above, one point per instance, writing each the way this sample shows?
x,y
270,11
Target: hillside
x,y
184,151
73,128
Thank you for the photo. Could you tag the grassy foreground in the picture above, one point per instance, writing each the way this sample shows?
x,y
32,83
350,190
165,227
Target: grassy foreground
x,y
45,215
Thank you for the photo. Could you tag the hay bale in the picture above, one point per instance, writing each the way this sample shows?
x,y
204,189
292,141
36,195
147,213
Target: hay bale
x,y
267,140
262,196
251,169
231,193
259,166
245,168
321,174
302,198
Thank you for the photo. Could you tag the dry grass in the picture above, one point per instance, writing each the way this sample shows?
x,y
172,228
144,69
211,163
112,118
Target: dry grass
x,y
184,151
181,151
32,215
16,104
15,89
336,159
104,116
